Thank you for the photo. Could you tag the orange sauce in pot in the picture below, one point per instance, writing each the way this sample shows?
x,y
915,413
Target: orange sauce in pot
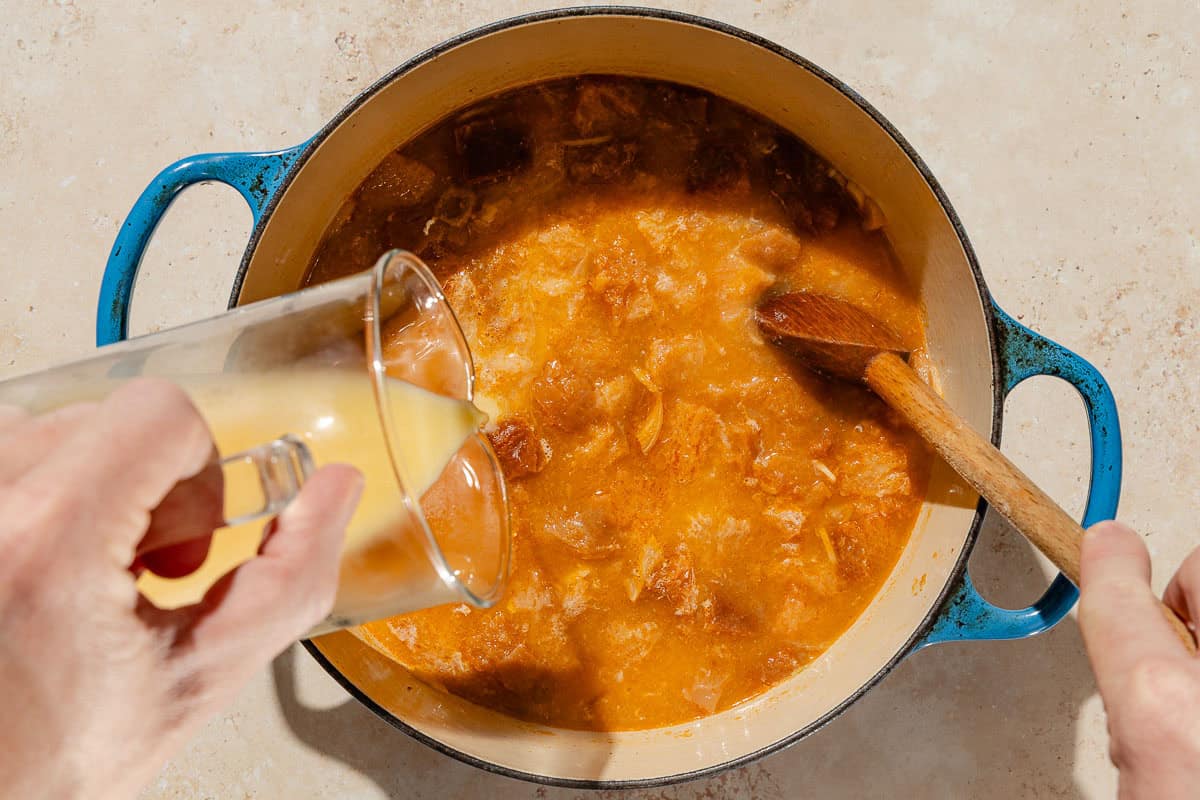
x,y
695,518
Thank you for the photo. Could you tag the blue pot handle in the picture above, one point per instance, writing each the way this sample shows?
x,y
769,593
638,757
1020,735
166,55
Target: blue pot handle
x,y
255,175
966,616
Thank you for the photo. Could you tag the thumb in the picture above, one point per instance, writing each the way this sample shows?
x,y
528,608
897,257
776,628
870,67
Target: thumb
x,y
1118,612
265,604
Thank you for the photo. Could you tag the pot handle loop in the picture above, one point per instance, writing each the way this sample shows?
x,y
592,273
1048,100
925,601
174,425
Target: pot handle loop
x,y
255,175
965,615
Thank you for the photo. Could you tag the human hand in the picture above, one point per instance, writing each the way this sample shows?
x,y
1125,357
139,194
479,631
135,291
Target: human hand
x,y
99,687
1149,682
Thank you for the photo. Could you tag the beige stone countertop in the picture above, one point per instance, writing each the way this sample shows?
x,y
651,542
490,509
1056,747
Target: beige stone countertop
x,y
1066,134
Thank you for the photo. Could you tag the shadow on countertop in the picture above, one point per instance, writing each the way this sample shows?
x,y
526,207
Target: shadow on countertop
x,y
986,720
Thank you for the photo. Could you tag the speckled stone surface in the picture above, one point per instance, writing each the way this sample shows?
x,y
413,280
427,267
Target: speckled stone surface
x,y
1065,134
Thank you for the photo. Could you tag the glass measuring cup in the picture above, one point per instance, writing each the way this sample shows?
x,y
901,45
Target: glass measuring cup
x,y
371,369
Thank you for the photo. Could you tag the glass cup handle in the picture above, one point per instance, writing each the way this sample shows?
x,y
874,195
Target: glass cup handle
x,y
274,473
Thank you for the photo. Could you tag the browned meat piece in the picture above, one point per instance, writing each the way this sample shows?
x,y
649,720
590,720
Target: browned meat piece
x,y
852,563
614,281
776,250
878,467
405,227
363,247
398,181
796,207
520,450
615,396
675,124
673,579
739,446
589,531
491,148
826,217
822,444
718,167
600,162
783,662
563,399
455,206
604,108
781,471
726,617
680,104
603,445
690,432
806,188
798,167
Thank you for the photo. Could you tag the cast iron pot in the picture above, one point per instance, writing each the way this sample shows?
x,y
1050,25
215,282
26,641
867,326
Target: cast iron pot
x,y
981,354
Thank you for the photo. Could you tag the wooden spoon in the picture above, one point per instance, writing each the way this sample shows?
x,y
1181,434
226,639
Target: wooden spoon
x,y
838,339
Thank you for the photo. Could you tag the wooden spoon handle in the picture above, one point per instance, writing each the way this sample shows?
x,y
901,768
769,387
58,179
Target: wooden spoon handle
x,y
1011,492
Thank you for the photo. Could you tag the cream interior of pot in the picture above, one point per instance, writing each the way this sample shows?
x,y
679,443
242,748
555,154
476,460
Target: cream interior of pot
x,y
921,234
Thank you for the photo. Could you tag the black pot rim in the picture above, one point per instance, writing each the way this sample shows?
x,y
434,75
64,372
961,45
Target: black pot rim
x,y
985,298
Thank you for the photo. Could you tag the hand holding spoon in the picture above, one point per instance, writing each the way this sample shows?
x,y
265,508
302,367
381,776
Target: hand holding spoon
x,y
841,340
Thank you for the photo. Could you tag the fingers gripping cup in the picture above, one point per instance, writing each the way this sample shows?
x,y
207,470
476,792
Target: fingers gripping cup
x,y
371,370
